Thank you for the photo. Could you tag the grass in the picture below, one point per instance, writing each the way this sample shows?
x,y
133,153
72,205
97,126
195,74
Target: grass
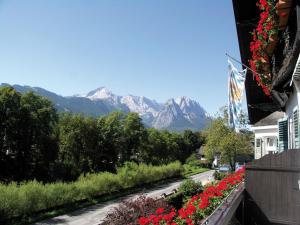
x,y
30,198
32,201
192,170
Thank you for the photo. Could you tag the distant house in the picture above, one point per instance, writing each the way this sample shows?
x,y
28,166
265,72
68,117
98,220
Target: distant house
x,y
200,153
266,135
201,156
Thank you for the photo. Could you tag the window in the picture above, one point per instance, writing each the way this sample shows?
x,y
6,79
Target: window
x,y
258,142
271,142
283,134
296,128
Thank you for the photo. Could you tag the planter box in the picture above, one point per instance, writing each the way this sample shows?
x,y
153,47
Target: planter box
x,y
224,213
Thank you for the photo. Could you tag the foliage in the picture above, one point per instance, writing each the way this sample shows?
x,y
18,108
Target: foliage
x,y
28,143
266,31
190,187
186,190
218,175
33,196
192,160
199,206
224,141
128,212
163,146
38,143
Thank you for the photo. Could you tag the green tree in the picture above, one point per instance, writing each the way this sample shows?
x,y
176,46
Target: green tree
x,y
38,147
155,149
134,137
9,130
27,144
110,140
224,141
78,137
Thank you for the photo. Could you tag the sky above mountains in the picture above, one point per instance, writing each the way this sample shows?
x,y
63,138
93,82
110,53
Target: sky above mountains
x,y
159,49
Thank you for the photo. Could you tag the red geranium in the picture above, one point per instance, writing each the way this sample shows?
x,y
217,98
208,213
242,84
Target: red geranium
x,y
196,208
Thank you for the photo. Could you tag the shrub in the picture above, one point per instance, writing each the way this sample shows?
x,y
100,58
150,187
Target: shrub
x,y
190,187
31,197
128,212
199,206
218,175
193,161
186,190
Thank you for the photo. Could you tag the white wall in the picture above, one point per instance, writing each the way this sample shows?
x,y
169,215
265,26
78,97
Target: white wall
x,y
263,133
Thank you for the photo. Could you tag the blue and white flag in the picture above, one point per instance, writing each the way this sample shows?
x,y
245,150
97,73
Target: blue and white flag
x,y
236,86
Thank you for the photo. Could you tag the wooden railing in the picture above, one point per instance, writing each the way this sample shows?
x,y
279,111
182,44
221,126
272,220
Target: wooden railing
x,y
226,211
273,183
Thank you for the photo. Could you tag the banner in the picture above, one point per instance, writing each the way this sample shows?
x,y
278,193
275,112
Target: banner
x,y
236,86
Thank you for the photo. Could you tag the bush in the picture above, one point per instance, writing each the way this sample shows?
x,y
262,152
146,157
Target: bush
x,y
190,187
31,197
186,190
219,176
193,161
128,212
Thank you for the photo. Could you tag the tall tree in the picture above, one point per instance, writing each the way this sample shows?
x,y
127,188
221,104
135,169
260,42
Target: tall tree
x,y
9,130
78,143
110,140
134,137
224,141
38,144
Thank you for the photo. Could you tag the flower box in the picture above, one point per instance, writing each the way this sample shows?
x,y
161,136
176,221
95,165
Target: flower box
x,y
200,206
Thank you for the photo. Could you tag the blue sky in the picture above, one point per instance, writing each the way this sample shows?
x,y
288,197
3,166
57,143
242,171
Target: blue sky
x,y
156,48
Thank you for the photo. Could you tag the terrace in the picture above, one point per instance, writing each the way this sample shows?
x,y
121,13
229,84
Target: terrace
x,y
272,182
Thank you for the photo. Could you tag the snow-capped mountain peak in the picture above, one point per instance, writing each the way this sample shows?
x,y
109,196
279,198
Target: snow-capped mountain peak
x,y
180,114
141,104
100,93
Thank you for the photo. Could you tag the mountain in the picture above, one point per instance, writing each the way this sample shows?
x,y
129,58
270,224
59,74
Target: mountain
x,y
193,112
105,95
146,108
181,114
176,115
171,117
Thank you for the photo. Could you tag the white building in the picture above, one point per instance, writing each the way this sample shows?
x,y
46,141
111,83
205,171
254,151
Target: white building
x,y
266,135
289,124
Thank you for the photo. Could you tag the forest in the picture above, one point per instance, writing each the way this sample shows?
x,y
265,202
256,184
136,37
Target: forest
x,y
37,142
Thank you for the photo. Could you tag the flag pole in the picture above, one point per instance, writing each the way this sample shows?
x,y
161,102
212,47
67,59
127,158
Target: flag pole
x,y
229,56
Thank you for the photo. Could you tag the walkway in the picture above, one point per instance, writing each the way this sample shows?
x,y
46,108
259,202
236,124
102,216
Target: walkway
x,y
94,215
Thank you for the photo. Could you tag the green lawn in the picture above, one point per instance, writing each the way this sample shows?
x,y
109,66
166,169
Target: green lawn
x,y
192,170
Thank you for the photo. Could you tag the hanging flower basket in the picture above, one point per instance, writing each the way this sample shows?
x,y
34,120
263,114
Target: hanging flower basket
x,y
272,42
264,40
283,8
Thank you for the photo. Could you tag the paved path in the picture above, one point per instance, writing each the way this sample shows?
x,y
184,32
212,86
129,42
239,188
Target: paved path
x,y
94,215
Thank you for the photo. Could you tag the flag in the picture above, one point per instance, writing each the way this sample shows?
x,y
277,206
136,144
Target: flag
x,y
235,94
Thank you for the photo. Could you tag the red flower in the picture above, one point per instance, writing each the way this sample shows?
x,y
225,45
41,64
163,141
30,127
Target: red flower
x,y
188,220
204,202
188,213
144,221
160,211
182,213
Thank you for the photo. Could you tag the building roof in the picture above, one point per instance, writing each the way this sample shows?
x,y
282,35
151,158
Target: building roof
x,y
283,60
272,119
246,16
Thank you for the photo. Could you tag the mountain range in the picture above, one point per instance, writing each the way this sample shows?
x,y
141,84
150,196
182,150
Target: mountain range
x,y
176,114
